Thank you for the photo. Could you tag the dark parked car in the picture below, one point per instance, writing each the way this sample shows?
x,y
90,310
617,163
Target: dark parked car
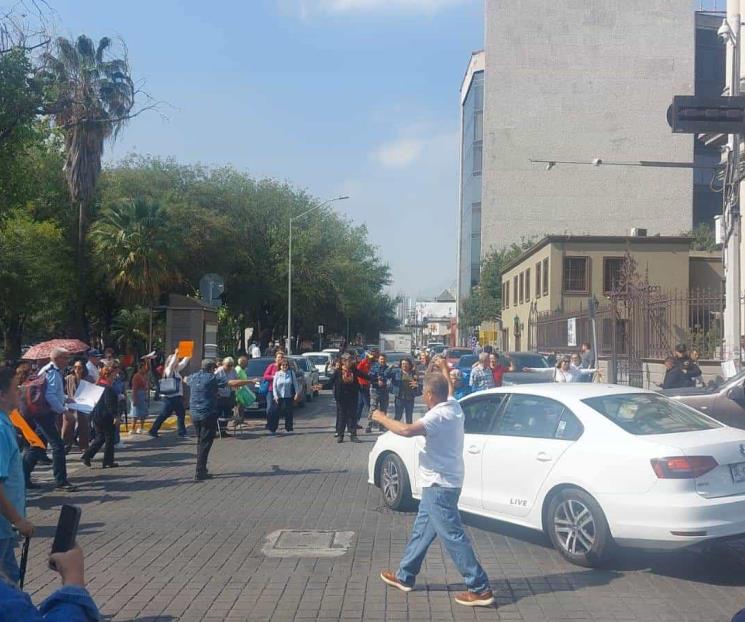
x,y
517,361
455,354
723,401
255,371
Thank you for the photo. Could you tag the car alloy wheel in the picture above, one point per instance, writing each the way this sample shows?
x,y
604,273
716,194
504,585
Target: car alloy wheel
x,y
394,483
574,526
390,482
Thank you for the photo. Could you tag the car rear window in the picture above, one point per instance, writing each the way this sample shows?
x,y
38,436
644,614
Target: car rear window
x,y
257,367
527,360
642,414
318,360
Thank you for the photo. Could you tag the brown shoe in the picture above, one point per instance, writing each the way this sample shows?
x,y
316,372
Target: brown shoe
x,y
390,578
472,599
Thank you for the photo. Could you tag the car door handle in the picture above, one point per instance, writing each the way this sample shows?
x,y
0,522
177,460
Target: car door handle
x,y
543,457
473,449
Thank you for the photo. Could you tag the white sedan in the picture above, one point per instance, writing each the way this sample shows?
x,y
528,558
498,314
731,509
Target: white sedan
x,y
591,465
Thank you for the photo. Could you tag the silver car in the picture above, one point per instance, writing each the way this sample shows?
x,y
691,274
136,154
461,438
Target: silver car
x,y
309,380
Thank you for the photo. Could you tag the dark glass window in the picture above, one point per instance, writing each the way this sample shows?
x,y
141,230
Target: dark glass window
x,y
545,277
612,267
575,274
538,280
530,415
527,285
481,413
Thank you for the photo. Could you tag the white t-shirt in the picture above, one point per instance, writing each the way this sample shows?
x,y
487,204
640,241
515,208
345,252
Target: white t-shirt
x,y
441,456
92,371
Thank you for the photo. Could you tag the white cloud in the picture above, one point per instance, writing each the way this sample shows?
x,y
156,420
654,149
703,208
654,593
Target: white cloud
x,y
309,7
399,153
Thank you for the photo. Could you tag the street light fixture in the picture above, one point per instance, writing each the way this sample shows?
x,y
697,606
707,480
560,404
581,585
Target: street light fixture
x,y
289,266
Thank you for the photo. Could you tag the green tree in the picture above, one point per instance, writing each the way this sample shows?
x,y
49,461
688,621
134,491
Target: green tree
x,y
129,329
702,238
131,248
485,300
33,279
91,96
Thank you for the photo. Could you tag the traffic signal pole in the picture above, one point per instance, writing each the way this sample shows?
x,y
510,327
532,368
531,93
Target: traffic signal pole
x,y
731,200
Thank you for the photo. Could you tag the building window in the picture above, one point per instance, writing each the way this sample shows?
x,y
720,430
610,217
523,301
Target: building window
x,y
527,285
505,294
522,287
612,267
514,292
545,277
538,280
575,274
478,126
477,158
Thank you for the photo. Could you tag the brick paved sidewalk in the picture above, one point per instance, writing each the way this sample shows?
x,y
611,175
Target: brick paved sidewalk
x,y
161,547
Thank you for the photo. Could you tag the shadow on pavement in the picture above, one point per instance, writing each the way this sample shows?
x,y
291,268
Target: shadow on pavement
x,y
542,584
277,470
158,618
48,531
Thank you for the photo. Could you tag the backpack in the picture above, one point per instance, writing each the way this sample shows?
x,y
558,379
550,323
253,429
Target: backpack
x,y
33,396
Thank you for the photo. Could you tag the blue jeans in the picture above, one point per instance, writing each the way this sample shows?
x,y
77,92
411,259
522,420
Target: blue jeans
x,y
363,403
8,562
172,404
438,516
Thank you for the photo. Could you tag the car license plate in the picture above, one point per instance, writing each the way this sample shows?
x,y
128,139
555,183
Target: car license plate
x,y
738,472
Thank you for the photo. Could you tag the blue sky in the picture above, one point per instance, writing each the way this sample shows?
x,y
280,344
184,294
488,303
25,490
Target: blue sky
x,y
356,97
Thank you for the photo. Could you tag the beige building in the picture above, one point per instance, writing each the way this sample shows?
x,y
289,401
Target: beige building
x,y
560,273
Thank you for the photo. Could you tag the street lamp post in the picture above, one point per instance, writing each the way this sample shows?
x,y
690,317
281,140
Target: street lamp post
x,y
289,266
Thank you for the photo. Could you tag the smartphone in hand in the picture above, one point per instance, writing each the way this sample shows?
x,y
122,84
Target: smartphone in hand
x,y
67,529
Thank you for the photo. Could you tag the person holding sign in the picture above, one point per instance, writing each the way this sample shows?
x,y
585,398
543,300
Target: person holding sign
x,y
104,418
173,392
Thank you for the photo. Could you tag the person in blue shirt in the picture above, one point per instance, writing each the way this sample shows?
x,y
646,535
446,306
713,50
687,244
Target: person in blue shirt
x,y
380,373
285,389
12,482
70,603
205,386
46,423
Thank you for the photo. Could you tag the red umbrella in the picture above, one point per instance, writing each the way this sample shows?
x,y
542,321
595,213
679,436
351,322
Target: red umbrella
x,y
42,350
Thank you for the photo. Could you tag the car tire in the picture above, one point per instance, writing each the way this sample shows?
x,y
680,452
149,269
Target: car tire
x,y
578,528
394,483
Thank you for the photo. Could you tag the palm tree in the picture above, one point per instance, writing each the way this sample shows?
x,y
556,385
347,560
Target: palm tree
x,y
131,246
92,97
130,329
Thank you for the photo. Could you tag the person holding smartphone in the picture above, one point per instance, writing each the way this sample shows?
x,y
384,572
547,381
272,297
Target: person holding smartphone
x,y
71,602
12,484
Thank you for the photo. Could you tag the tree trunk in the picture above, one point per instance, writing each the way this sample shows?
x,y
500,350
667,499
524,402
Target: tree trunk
x,y
12,337
77,319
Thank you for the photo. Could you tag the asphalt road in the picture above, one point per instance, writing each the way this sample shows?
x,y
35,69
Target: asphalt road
x,y
159,546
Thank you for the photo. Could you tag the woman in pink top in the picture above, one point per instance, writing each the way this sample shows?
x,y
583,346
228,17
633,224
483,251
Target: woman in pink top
x,y
269,374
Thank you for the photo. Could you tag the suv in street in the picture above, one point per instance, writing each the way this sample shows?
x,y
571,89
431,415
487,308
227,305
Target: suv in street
x,y
323,362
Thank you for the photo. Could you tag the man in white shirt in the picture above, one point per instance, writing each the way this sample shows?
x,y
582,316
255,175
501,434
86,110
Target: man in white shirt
x,y
173,402
94,362
255,351
441,472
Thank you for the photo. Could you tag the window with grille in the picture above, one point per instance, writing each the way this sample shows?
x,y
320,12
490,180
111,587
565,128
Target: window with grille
x,y
612,267
522,286
575,274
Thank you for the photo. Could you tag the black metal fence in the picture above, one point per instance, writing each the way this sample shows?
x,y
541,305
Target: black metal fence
x,y
645,325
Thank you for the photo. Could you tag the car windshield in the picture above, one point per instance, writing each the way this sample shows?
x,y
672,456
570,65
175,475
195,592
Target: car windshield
x,y
731,382
300,362
643,413
456,353
527,360
318,360
256,367
468,361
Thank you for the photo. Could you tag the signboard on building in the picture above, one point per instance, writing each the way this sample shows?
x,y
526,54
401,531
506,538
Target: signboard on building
x,y
572,332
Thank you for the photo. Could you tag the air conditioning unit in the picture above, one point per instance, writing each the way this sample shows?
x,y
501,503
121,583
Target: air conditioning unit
x,y
636,232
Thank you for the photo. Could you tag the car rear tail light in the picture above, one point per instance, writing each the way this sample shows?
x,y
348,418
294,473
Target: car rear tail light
x,y
683,467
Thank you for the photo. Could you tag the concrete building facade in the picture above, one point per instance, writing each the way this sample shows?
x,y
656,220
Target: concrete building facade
x,y
471,157
571,80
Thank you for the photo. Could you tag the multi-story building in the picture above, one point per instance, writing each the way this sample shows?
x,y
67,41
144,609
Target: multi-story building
x,y
469,214
576,81
561,273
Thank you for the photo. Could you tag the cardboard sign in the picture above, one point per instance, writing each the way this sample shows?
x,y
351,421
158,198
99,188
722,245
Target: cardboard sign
x,y
185,348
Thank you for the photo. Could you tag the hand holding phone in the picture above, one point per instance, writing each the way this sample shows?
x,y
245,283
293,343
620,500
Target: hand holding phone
x,y
67,529
70,566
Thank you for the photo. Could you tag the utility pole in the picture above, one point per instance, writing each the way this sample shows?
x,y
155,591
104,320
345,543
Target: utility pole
x,y
731,194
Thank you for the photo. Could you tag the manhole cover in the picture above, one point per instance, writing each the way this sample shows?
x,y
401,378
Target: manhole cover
x,y
307,543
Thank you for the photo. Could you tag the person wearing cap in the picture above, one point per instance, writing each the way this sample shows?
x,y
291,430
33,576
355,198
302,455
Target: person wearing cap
x,y
205,386
46,423
93,364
